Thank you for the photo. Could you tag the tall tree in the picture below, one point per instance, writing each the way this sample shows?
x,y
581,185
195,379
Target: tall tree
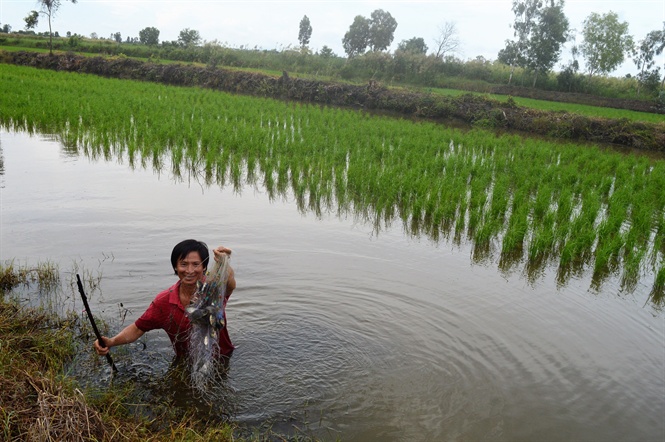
x,y
326,52
356,39
31,20
525,20
149,36
382,27
540,30
547,39
511,56
305,32
50,9
446,41
644,56
568,78
661,48
415,45
606,42
189,37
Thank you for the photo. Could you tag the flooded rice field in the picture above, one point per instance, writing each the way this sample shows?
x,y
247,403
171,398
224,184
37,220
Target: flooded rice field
x,y
351,333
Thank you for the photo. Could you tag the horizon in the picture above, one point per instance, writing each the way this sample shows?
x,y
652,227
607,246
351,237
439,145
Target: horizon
x,y
274,25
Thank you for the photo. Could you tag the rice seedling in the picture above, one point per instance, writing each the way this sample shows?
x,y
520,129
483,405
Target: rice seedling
x,y
578,207
518,226
657,295
631,270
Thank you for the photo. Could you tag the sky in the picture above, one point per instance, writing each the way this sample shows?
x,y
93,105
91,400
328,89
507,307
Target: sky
x,y
482,26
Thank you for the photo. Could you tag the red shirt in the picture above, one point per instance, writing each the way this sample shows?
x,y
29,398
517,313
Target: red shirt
x,y
166,312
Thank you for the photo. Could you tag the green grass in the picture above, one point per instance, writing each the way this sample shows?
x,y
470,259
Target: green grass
x,y
19,48
581,109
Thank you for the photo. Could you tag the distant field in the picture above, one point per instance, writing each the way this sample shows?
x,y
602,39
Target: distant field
x,y
18,48
586,110
581,109
592,111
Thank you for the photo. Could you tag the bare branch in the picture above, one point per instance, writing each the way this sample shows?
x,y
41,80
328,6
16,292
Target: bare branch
x,y
447,41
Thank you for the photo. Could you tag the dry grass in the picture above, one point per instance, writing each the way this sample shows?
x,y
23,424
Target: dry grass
x,y
64,416
38,403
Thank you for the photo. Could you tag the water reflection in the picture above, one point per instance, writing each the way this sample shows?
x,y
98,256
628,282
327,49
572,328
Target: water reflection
x,y
2,165
351,334
512,227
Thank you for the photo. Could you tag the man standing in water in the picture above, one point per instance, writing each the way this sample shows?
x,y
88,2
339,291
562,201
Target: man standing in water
x,y
167,311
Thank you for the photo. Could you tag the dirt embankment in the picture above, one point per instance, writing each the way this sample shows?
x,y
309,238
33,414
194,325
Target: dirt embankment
x,y
472,109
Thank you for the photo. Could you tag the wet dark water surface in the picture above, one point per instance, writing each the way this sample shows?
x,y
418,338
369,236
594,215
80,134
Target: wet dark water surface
x,y
351,334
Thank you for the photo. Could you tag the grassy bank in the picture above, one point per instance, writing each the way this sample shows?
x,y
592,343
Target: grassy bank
x,y
39,401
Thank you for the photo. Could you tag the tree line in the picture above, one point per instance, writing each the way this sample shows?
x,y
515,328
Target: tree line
x,y
540,29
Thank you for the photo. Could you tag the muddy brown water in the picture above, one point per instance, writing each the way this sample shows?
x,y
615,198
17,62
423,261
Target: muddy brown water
x,y
348,333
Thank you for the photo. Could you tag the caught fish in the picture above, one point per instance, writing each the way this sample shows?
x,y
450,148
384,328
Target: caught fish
x,y
206,315
211,314
207,307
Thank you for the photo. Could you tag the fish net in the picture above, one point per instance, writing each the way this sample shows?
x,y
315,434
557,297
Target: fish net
x,y
207,317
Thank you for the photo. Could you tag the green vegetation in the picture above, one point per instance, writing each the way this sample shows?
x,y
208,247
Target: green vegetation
x,y
46,275
471,109
525,201
541,30
581,109
604,54
49,8
401,68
